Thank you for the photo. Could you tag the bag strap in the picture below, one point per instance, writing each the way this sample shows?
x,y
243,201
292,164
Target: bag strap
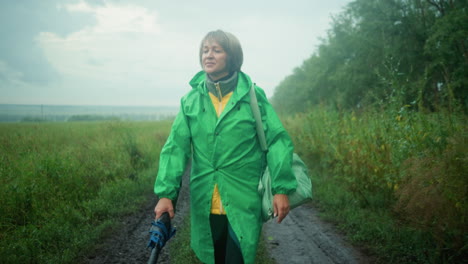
x,y
258,118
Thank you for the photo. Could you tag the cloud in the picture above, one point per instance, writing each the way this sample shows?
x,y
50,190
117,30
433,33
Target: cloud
x,y
20,23
126,39
125,54
113,18
12,85
143,52
8,75
112,44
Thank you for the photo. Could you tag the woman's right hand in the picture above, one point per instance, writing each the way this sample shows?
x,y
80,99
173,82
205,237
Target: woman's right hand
x,y
164,205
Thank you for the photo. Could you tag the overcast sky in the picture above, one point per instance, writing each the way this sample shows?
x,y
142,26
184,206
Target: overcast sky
x,y
144,52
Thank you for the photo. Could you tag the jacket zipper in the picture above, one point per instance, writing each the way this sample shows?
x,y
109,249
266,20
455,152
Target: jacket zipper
x,y
220,106
220,96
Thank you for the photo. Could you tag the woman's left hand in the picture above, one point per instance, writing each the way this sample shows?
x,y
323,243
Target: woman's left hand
x,y
280,206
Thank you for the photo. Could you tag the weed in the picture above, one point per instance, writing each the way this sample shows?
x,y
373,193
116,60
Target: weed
x,y
394,179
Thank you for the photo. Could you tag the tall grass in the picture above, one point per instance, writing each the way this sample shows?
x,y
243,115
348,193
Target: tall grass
x,y
61,184
394,180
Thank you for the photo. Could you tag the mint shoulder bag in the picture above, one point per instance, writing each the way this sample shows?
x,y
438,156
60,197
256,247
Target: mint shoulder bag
x,y
303,192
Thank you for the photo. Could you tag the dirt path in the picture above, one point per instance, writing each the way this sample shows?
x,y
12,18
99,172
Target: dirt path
x,y
301,238
129,244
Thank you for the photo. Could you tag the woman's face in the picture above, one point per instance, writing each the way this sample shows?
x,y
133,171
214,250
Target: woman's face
x,y
214,60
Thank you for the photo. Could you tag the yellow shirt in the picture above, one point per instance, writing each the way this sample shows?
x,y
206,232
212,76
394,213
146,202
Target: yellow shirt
x,y
216,205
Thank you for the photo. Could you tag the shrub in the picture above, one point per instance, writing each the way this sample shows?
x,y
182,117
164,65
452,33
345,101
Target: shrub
x,y
434,196
407,166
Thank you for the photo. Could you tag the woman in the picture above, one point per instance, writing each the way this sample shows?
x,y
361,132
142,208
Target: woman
x,y
216,128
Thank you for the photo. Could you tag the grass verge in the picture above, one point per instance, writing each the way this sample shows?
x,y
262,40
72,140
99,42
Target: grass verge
x,y
394,181
61,184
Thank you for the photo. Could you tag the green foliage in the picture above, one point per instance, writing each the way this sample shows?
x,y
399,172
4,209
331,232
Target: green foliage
x,y
394,178
373,230
379,111
62,184
447,48
434,196
376,49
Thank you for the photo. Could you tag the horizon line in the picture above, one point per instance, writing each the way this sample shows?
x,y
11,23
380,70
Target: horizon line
x,y
107,105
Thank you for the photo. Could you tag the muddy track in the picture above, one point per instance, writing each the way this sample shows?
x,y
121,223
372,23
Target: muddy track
x,y
129,243
301,238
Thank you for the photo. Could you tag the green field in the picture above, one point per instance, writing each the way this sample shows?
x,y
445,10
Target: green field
x,y
393,181
62,185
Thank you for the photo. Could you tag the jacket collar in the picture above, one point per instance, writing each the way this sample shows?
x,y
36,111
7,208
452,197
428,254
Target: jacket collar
x,y
243,84
222,87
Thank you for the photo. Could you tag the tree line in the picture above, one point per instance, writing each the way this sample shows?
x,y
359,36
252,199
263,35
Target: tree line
x,y
409,52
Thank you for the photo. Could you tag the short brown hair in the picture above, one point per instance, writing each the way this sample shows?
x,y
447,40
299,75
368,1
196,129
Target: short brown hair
x,y
231,46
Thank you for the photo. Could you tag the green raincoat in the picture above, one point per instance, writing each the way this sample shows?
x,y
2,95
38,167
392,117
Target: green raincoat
x,y
224,151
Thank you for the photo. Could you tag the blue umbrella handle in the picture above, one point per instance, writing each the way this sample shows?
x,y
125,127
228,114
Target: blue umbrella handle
x,y
161,231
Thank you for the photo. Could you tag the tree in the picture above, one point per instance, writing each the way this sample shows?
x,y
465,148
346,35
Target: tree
x,y
408,50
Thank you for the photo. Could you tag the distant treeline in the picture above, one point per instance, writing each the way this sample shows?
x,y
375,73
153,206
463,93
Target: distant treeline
x,y
92,118
63,113
74,118
410,52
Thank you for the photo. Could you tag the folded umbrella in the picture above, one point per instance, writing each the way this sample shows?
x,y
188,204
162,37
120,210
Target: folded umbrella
x,y
161,231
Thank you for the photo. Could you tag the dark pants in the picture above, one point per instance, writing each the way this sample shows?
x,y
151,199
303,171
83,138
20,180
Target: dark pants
x,y
226,245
